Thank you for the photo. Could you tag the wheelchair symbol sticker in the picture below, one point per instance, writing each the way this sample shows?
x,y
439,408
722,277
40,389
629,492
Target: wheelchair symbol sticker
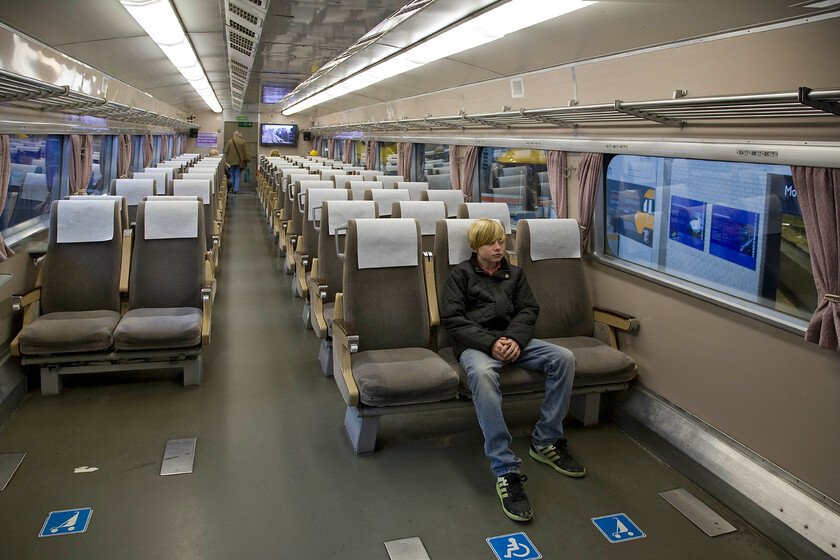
x,y
618,528
67,522
516,546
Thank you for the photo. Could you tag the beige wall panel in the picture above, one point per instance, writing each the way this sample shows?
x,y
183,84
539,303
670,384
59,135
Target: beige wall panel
x,y
766,388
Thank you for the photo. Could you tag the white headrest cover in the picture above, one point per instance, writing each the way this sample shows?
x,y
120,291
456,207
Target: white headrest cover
x,y
193,187
361,186
426,213
34,187
495,210
135,189
342,211
457,242
315,184
452,198
386,243
341,180
85,221
170,171
554,239
316,198
386,197
413,187
170,219
160,176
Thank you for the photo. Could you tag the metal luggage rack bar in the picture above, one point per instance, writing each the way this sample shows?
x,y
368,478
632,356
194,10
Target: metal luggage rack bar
x,y
678,113
35,94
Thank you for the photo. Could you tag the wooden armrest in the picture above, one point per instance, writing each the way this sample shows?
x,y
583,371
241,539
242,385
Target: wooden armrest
x,y
206,314
23,302
345,343
317,295
431,290
125,263
616,319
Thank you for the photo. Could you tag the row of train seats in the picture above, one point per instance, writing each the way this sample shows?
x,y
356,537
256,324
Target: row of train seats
x,y
373,287
127,282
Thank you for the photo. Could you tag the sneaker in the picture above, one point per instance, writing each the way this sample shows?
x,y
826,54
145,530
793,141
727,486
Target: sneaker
x,y
512,493
557,457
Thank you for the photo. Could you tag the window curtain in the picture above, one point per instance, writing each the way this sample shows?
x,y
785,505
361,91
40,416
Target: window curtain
x,y
166,152
331,148
558,181
86,170
462,161
589,177
404,153
370,155
818,191
5,175
347,153
75,165
123,155
148,150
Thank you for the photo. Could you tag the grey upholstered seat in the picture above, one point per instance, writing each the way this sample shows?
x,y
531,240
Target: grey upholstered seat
x,y
393,365
167,277
134,191
202,188
415,188
427,213
311,195
549,252
79,294
493,210
452,198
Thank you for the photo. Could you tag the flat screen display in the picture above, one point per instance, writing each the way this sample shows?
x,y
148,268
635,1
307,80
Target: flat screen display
x,y
278,134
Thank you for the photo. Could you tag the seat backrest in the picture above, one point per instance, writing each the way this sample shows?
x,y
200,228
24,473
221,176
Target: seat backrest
x,y
452,198
358,187
416,188
301,188
334,215
385,199
134,191
168,259
384,289
168,169
389,181
441,181
369,174
427,213
451,248
203,189
313,206
342,178
161,180
494,210
549,253
82,267
34,187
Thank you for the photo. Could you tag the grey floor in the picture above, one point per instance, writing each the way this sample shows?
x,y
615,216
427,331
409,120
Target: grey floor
x,y
274,476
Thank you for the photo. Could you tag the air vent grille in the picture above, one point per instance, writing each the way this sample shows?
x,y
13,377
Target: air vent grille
x,y
245,20
242,14
241,28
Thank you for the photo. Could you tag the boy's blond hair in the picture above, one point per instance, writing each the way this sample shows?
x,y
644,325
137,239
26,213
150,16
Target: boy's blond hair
x,y
484,231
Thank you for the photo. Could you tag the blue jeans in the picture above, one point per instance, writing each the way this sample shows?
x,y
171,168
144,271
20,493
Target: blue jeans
x,y
235,172
557,363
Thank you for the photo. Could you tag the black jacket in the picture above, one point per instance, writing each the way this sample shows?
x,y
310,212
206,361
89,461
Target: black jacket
x,y
478,309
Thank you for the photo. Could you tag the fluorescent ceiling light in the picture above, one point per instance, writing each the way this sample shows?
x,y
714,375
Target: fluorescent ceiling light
x,y
489,26
159,20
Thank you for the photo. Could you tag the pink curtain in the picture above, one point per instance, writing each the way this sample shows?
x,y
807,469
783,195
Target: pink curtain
x,y
75,165
331,148
818,191
462,161
148,151
589,177
347,155
5,175
404,153
370,155
558,181
87,163
123,155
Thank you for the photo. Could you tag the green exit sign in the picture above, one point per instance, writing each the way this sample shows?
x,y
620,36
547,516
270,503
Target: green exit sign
x,y
243,118
245,124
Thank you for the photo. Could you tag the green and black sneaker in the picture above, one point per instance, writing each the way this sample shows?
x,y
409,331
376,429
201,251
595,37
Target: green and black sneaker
x,y
512,493
557,457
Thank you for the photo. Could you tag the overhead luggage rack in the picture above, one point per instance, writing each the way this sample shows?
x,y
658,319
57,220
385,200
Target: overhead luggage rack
x,y
678,113
35,94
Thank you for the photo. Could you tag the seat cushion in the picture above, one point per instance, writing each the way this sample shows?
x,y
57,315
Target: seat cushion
x,y
69,331
597,363
148,328
403,376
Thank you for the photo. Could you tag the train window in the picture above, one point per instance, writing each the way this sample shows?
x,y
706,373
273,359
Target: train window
x,y
34,181
137,153
104,164
518,177
432,165
735,228
339,150
388,158
359,156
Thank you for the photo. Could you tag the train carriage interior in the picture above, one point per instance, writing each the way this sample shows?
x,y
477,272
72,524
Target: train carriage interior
x,y
227,230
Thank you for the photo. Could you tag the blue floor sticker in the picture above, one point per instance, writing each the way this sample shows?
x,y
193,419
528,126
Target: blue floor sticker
x,y
515,546
618,528
69,521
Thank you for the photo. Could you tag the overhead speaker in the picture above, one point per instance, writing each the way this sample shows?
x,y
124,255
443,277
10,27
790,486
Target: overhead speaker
x,y
193,133
307,136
